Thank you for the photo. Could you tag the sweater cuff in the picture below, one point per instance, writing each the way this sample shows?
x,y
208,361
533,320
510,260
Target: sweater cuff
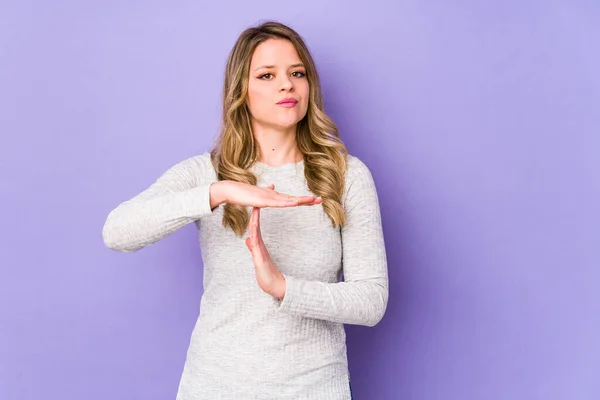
x,y
289,296
302,297
197,201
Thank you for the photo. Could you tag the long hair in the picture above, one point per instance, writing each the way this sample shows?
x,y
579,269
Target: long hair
x,y
325,155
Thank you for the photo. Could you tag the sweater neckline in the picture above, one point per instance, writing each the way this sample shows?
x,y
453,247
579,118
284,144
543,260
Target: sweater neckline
x,y
291,168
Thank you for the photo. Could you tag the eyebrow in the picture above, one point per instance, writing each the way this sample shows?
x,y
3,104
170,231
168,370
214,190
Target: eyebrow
x,y
272,66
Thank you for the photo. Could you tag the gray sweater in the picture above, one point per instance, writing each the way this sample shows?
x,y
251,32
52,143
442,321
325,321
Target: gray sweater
x,y
247,344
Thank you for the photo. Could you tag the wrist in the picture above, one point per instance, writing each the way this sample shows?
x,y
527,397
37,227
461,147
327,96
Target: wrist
x,y
280,288
217,194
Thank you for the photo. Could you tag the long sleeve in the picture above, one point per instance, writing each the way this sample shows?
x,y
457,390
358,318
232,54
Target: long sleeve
x,y
362,298
180,196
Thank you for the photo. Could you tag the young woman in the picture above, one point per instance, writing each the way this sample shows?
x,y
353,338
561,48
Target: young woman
x,y
282,210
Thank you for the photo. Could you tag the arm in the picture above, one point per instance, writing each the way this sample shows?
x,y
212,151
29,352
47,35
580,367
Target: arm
x,y
175,199
362,298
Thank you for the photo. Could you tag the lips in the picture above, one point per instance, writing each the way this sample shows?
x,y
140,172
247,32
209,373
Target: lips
x,y
289,100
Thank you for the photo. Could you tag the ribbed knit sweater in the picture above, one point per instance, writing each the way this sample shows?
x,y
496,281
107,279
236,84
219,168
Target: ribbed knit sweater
x,y
247,344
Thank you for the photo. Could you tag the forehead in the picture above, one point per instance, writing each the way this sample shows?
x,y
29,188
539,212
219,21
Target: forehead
x,y
275,52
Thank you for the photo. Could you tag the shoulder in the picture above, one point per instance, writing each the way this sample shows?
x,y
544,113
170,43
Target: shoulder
x,y
356,170
360,185
201,161
356,166
196,168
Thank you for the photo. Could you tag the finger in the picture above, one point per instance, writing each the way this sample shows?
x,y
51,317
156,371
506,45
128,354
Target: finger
x,y
257,223
286,200
317,200
250,245
254,221
305,200
291,198
255,237
283,200
253,225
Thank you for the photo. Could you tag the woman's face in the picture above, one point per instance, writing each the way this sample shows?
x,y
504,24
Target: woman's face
x,y
277,87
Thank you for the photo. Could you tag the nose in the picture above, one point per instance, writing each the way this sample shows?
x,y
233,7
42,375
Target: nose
x,y
286,83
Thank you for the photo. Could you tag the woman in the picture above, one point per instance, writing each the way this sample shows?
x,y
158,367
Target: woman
x,y
273,308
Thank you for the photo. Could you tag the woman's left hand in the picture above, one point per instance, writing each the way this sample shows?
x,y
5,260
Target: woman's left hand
x,y
268,276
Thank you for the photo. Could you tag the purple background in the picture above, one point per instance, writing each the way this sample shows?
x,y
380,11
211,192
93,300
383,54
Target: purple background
x,y
479,120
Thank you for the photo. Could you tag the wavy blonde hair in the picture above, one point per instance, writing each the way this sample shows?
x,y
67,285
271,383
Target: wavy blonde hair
x,y
317,137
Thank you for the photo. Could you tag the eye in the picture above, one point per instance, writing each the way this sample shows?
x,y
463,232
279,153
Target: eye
x,y
266,76
299,74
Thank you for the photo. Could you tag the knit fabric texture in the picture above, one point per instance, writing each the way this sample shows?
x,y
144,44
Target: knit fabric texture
x,y
247,344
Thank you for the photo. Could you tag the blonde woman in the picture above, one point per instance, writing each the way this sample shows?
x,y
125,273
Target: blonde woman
x,y
282,210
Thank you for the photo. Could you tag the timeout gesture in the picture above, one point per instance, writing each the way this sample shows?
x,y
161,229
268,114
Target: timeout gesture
x,y
249,195
268,276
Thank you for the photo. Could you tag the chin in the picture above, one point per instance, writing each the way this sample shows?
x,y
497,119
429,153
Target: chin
x,y
286,124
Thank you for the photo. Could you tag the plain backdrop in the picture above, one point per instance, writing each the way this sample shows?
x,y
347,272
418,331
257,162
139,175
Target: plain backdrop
x,y
480,122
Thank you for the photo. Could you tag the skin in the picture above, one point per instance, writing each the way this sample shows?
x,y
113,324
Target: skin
x,y
268,277
274,128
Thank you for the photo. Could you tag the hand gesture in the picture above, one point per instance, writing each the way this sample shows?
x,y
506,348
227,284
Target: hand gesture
x,y
249,195
268,277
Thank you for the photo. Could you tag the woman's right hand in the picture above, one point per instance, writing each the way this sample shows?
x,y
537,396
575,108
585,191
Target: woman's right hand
x,y
255,196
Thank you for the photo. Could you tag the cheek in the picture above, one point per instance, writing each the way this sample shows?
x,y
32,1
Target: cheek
x,y
304,89
257,100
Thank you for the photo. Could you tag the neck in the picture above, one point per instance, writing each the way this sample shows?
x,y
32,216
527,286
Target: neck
x,y
277,147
